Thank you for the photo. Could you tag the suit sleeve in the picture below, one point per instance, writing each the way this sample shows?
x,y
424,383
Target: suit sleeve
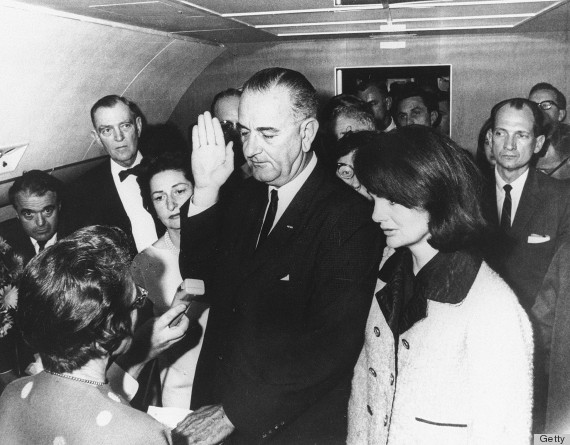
x,y
321,357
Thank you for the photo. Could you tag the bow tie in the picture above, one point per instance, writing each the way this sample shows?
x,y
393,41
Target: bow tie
x,y
124,174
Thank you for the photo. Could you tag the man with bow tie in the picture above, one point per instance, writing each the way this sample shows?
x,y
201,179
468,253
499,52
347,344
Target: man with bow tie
x,y
109,193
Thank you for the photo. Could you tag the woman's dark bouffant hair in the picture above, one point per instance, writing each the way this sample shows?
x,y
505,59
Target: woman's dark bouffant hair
x,y
175,160
418,167
74,299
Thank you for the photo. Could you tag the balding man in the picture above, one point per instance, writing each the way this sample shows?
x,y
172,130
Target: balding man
x,y
290,267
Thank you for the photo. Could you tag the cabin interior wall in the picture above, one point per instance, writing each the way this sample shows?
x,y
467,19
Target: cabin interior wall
x,y
53,70
485,69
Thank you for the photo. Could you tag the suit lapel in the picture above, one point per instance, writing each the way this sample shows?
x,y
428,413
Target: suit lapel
x,y
292,220
528,204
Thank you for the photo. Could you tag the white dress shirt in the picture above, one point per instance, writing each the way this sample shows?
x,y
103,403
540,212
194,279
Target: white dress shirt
x,y
516,192
49,242
390,127
142,224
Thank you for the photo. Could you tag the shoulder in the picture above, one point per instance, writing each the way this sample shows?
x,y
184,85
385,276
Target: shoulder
x,y
493,303
550,185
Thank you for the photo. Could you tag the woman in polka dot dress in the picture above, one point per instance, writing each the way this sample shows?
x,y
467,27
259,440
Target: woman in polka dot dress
x,y
77,302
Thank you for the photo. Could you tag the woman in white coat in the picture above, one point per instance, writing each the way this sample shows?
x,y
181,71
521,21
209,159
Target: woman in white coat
x,y
448,349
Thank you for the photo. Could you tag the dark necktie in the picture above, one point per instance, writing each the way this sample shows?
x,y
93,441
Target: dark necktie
x,y
269,218
41,245
506,213
124,174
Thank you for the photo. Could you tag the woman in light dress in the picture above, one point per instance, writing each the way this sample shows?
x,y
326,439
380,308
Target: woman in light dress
x,y
166,183
447,357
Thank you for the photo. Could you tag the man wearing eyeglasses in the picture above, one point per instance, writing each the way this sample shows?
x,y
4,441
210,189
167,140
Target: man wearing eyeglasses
x,y
109,193
554,159
225,109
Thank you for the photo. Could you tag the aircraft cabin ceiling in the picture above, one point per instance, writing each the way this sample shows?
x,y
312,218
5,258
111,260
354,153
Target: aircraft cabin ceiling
x,y
231,21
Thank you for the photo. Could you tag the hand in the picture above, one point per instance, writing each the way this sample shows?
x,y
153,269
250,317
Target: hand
x,y
212,159
208,425
152,338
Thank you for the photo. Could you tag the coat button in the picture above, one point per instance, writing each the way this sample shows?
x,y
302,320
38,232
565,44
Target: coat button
x,y
369,409
376,331
220,357
391,379
372,372
405,343
386,420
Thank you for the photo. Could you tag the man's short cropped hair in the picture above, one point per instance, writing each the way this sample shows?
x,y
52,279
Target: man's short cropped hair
x,y
413,90
519,103
35,182
560,98
363,83
303,94
230,92
75,298
112,100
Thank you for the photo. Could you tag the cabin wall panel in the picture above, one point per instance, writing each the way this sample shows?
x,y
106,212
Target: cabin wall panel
x,y
485,69
54,68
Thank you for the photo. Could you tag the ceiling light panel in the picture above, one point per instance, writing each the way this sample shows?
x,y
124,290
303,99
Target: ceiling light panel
x,y
416,26
164,15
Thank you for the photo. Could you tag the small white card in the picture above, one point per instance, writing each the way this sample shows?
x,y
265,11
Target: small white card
x,y
168,416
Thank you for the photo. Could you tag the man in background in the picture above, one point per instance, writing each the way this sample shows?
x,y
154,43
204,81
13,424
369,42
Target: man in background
x,y
36,197
555,156
416,106
109,193
375,93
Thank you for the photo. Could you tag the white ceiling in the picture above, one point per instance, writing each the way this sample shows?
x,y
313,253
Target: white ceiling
x,y
237,21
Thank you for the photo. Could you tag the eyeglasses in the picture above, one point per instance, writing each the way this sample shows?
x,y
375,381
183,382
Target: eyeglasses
x,y
229,125
344,171
547,104
142,295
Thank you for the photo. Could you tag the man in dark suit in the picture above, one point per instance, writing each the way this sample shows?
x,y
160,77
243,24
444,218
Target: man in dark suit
x,y
36,198
533,217
109,193
290,266
531,214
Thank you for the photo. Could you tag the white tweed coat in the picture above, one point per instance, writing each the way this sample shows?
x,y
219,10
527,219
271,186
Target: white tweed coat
x,y
464,374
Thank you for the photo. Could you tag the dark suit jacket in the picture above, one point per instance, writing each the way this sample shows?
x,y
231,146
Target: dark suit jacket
x,y
551,313
544,209
287,321
93,199
14,235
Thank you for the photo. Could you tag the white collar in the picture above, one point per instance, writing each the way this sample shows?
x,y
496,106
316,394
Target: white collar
x,y
116,168
517,184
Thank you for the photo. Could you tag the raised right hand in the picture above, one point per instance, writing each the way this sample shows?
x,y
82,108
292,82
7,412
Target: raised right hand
x,y
212,159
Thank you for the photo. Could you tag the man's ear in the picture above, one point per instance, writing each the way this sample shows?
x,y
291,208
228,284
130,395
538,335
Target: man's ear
x,y
309,128
539,143
433,115
138,123
561,115
388,103
96,137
